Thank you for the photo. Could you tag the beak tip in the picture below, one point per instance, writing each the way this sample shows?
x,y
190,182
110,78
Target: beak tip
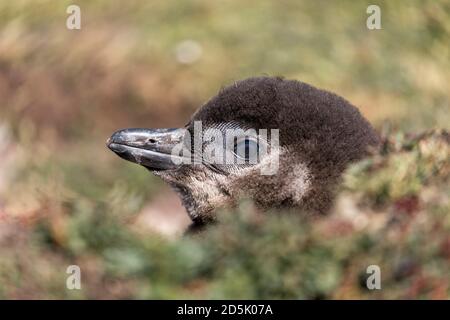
x,y
148,147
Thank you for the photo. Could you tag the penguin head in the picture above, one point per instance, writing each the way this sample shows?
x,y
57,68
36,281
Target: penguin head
x,y
281,143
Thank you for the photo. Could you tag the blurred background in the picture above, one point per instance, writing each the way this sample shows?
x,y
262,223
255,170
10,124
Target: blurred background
x,y
65,199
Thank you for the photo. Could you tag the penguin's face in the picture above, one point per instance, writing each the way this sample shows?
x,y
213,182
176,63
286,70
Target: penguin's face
x,y
278,142
210,167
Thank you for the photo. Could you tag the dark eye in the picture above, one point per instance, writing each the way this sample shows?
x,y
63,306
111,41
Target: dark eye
x,y
247,149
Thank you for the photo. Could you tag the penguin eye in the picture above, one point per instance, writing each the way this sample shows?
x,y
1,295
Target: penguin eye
x,y
247,149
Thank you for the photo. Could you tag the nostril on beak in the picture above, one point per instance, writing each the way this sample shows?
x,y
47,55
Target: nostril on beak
x,y
151,140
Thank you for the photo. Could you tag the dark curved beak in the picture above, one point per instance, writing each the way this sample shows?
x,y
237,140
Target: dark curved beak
x,y
156,149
